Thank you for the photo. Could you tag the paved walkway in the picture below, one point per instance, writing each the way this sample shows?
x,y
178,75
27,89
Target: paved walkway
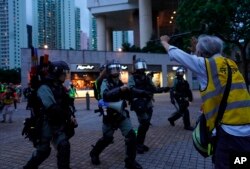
x,y
170,147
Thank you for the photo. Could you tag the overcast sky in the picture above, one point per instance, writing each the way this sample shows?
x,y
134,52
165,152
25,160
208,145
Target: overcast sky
x,y
82,4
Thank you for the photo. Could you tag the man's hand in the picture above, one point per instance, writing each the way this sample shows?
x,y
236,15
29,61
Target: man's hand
x,y
74,122
164,41
124,88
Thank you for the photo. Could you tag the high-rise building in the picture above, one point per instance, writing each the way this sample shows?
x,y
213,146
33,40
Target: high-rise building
x,y
84,41
93,35
54,24
121,37
13,34
78,28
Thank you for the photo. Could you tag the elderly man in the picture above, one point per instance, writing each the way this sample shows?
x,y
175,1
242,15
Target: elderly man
x,y
211,68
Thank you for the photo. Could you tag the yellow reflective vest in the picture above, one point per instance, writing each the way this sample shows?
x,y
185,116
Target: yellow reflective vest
x,y
238,103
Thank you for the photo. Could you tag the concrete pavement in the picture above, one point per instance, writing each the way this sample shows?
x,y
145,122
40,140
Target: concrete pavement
x,y
170,147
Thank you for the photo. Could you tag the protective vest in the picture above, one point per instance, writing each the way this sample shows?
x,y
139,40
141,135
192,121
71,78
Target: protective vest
x,y
182,89
143,83
238,103
72,92
111,85
8,98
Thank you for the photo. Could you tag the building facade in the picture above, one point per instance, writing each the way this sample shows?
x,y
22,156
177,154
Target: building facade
x,y
84,66
54,24
78,28
13,33
147,18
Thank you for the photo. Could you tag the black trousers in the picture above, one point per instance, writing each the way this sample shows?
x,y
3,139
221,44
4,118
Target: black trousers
x,y
182,112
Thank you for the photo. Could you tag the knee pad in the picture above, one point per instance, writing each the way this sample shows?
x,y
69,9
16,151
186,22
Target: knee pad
x,y
144,124
44,153
107,140
130,137
63,146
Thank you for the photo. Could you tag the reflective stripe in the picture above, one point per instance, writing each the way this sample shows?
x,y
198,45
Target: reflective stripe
x,y
238,104
218,90
208,115
230,106
215,73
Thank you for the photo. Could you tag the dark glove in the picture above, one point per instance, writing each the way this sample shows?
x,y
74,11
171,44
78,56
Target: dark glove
x,y
147,94
172,101
166,89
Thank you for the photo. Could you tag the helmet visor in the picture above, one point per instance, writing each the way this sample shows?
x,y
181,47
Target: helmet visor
x,y
140,65
114,69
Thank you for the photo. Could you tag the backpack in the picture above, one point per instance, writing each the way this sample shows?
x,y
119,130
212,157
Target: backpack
x,y
33,124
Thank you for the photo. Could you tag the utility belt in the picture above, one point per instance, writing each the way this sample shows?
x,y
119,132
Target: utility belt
x,y
139,105
182,101
114,118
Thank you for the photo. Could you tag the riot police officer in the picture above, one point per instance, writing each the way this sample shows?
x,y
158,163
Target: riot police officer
x,y
113,90
181,94
142,89
55,117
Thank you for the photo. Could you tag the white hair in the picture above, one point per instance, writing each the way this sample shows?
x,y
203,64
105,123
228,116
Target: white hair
x,y
208,46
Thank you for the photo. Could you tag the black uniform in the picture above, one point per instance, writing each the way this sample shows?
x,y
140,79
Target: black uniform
x,y
54,122
142,89
181,94
113,119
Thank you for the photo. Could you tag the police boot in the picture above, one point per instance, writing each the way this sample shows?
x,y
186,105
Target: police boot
x,y
37,158
143,128
130,161
176,115
98,148
186,121
132,164
63,155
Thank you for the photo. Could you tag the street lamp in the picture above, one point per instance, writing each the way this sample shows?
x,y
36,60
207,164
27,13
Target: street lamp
x,y
45,46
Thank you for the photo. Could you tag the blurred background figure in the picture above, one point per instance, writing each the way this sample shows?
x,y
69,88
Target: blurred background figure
x,y
182,94
72,95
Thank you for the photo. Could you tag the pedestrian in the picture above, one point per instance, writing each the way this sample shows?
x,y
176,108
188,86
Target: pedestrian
x,y
233,133
98,82
8,98
72,95
113,90
182,94
142,90
54,118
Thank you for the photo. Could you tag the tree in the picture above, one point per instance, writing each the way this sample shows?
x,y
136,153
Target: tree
x,y
10,76
229,20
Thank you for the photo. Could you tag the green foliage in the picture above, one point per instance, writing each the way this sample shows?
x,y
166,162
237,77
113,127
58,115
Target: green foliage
x,y
151,47
229,20
10,76
126,47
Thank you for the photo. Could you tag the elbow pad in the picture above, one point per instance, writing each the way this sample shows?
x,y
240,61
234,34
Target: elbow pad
x,y
111,95
138,92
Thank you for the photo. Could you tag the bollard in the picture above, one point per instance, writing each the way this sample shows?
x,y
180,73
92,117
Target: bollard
x,y
87,101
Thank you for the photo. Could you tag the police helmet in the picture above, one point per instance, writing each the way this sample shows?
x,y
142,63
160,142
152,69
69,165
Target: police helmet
x,y
180,71
57,68
140,64
113,68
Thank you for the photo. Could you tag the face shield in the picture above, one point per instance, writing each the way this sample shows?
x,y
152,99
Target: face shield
x,y
141,65
180,72
114,70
